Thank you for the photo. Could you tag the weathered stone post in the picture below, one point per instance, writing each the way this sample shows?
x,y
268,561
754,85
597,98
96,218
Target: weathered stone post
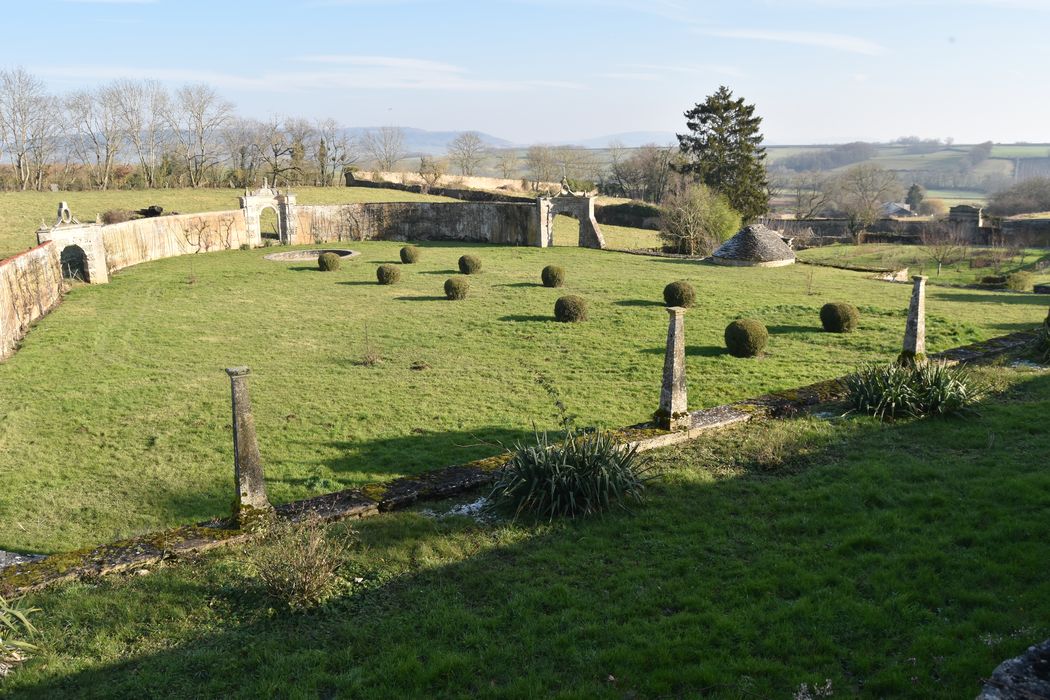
x,y
914,350
673,413
247,469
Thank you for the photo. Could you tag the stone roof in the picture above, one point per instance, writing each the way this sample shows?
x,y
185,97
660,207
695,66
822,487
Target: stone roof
x,y
756,243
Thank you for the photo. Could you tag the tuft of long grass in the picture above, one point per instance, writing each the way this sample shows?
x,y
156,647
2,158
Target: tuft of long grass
x,y
15,628
897,391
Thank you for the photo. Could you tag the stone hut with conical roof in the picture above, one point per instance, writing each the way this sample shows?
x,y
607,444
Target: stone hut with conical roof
x,y
755,246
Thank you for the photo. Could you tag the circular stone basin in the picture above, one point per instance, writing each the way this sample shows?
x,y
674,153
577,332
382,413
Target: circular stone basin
x,y
312,254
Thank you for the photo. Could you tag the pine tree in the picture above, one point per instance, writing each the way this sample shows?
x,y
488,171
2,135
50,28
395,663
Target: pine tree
x,y
915,196
724,151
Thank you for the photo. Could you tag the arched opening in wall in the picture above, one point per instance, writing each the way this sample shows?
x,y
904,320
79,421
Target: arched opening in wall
x,y
269,224
566,231
74,263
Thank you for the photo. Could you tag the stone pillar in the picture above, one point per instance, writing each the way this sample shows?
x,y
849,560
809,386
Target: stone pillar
x,y
914,350
673,413
544,226
247,467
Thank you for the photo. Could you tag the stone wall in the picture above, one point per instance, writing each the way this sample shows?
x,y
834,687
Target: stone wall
x,y
30,286
478,222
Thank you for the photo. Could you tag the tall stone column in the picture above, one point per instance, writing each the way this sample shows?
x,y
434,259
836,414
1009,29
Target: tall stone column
x,y
248,473
673,413
914,350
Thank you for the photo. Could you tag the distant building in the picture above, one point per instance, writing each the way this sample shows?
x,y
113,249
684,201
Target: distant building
x,y
895,210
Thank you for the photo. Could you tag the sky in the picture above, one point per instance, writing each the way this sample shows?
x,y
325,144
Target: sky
x,y
818,71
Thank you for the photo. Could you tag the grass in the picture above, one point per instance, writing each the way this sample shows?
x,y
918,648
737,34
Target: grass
x,y
895,560
22,212
567,233
114,415
954,197
917,259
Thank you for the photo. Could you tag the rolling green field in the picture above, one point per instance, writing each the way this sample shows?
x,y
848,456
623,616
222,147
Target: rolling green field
x,y
917,259
22,212
114,415
900,560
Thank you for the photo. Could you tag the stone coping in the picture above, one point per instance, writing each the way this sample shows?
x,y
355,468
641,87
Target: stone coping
x,y
373,499
310,255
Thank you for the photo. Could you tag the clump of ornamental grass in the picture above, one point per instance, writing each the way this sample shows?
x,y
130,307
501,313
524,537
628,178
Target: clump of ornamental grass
x,y
15,630
586,473
898,390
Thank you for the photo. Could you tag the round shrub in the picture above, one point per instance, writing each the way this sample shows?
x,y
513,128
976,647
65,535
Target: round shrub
x,y
456,287
570,309
1019,281
328,262
470,264
410,254
387,274
839,317
746,337
679,294
553,276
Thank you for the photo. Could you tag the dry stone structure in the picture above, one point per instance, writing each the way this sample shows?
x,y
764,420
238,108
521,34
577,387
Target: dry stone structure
x,y
30,286
755,246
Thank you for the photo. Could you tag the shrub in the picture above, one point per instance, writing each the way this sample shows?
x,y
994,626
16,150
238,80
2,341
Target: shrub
x,y
387,274
896,390
583,475
839,317
696,221
116,216
470,264
457,287
1041,344
410,254
15,627
1019,281
297,562
746,337
679,294
993,279
328,262
570,309
553,276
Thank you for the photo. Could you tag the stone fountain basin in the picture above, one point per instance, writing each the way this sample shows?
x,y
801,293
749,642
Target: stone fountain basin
x,y
310,255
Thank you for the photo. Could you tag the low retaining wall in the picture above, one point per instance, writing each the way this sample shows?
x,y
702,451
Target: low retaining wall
x,y
481,222
30,286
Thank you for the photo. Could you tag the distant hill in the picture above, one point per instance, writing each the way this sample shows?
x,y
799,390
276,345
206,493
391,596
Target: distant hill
x,y
431,143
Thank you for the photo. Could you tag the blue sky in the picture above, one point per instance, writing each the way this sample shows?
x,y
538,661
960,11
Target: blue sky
x,y
820,71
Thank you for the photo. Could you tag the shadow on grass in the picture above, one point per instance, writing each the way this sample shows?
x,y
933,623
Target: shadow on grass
x,y
839,532
440,272
422,298
778,330
358,283
519,284
999,298
304,268
638,302
693,351
524,318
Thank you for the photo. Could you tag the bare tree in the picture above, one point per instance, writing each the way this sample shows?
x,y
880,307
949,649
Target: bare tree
x,y
943,243
30,120
142,106
301,135
431,170
385,146
98,130
696,220
862,189
812,193
197,118
466,152
541,164
506,162
642,173
335,151
243,139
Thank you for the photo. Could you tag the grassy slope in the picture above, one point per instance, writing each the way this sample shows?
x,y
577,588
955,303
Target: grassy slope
x,y
885,255
901,560
21,212
114,416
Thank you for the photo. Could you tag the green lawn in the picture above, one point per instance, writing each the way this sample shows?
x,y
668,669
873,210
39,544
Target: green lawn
x,y
114,415
954,197
22,212
893,560
917,259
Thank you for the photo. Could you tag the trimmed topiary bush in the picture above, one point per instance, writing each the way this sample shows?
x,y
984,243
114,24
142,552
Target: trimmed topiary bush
x,y
679,294
456,287
328,262
553,276
1019,281
410,254
746,337
570,309
585,474
470,264
839,317
387,274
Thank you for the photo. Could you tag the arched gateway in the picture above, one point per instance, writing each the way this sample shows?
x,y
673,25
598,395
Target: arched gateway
x,y
255,202
578,206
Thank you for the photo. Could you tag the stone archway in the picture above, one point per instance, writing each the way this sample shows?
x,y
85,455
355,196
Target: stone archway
x,y
254,202
579,207
74,262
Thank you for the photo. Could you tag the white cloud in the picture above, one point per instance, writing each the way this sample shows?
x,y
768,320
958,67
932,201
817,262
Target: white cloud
x,y
837,42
